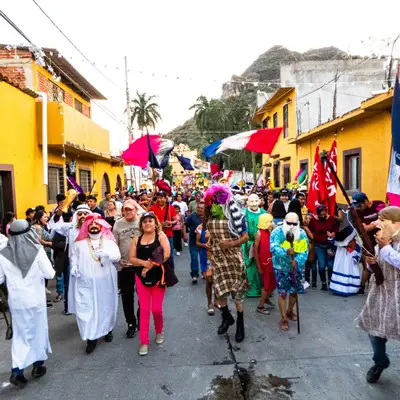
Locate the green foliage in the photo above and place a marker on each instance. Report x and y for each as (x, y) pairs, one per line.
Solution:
(167, 171)
(144, 111)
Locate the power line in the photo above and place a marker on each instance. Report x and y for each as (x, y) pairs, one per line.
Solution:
(104, 108)
(73, 44)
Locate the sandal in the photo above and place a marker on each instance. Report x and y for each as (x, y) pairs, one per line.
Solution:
(291, 315)
(283, 324)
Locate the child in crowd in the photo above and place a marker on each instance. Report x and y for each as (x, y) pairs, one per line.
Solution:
(202, 237)
(177, 230)
(263, 256)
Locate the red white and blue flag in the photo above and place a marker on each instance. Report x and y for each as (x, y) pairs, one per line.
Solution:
(393, 186)
(258, 141)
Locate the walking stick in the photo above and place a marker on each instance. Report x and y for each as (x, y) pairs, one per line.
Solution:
(290, 239)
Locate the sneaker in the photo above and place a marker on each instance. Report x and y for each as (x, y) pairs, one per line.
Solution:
(49, 303)
(38, 372)
(48, 291)
(194, 281)
(178, 253)
(109, 337)
(374, 373)
(131, 332)
(361, 291)
(324, 287)
(90, 346)
(270, 304)
(210, 310)
(58, 298)
(160, 337)
(143, 350)
(67, 312)
(314, 285)
(18, 380)
(262, 310)
(186, 245)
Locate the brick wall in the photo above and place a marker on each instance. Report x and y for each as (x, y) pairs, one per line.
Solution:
(86, 111)
(4, 53)
(42, 83)
(68, 99)
(15, 75)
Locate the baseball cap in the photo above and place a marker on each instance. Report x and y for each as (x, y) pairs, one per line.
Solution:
(284, 191)
(161, 193)
(358, 199)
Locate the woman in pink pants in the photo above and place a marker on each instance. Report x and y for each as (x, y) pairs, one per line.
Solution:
(145, 254)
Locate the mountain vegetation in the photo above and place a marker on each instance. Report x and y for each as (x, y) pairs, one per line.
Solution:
(219, 118)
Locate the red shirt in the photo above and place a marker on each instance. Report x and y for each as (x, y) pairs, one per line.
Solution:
(161, 215)
(320, 227)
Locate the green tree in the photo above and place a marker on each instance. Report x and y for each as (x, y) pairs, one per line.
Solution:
(144, 111)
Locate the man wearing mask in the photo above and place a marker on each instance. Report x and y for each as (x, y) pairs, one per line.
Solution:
(25, 266)
(381, 314)
(166, 215)
(96, 288)
(125, 229)
(288, 260)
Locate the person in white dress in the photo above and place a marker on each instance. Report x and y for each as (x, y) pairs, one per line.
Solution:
(95, 290)
(24, 266)
(346, 279)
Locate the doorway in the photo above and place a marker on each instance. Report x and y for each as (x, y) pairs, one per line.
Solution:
(7, 200)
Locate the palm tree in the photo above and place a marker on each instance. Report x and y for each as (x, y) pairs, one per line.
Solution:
(144, 111)
(200, 114)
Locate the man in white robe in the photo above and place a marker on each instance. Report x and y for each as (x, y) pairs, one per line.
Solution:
(70, 230)
(24, 266)
(95, 289)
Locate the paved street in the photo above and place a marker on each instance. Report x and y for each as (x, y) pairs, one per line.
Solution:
(327, 361)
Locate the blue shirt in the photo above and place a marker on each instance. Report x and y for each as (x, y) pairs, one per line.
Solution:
(192, 222)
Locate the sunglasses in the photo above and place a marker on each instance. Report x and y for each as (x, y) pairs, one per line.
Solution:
(292, 223)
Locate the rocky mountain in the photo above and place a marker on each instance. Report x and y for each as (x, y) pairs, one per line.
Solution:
(265, 68)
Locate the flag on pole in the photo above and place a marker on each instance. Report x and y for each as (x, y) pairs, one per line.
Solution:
(185, 163)
(317, 192)
(258, 141)
(393, 186)
(330, 180)
(148, 149)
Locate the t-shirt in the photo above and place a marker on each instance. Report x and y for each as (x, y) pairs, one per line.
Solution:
(124, 232)
(192, 222)
(160, 214)
(319, 228)
(182, 205)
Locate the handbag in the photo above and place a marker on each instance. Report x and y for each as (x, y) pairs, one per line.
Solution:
(170, 277)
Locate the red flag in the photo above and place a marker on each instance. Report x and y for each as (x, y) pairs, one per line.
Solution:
(317, 192)
(330, 180)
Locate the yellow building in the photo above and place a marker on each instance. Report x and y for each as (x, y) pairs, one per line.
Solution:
(76, 146)
(280, 111)
(363, 145)
(178, 173)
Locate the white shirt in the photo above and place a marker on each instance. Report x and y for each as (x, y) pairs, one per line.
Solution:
(182, 205)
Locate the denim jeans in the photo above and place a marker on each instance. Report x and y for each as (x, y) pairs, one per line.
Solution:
(171, 245)
(17, 371)
(311, 266)
(194, 260)
(60, 284)
(380, 357)
(324, 261)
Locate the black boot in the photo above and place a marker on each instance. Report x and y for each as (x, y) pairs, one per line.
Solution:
(324, 287)
(18, 380)
(374, 373)
(109, 337)
(227, 320)
(91, 345)
(239, 327)
(131, 332)
(38, 372)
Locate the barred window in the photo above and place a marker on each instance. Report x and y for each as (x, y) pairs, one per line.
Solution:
(85, 179)
(55, 184)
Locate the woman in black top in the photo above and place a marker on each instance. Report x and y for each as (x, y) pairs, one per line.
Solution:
(147, 253)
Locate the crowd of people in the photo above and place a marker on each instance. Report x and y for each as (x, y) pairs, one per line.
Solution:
(242, 245)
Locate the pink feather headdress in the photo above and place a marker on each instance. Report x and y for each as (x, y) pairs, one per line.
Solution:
(218, 193)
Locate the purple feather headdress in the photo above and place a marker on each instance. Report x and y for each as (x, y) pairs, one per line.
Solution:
(218, 193)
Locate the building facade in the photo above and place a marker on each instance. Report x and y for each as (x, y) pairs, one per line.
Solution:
(36, 155)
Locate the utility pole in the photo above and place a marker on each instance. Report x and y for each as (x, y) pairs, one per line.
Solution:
(319, 110)
(389, 80)
(129, 124)
(335, 96)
